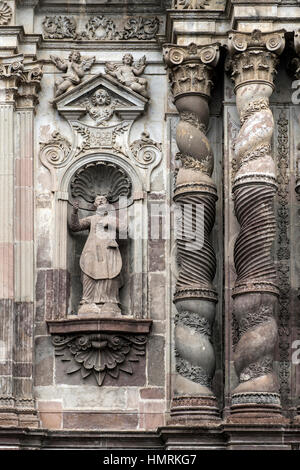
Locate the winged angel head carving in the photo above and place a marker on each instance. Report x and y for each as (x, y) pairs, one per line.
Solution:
(74, 68)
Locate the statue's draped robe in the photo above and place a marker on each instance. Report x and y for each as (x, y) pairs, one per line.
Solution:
(100, 261)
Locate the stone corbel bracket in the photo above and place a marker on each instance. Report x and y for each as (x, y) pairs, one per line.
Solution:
(101, 347)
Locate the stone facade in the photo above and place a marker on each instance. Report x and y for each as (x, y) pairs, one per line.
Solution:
(180, 329)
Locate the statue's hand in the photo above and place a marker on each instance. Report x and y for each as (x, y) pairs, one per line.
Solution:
(75, 207)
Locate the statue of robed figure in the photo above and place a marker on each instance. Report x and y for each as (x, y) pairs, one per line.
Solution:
(100, 261)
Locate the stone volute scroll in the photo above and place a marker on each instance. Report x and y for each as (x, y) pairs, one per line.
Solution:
(191, 70)
(252, 63)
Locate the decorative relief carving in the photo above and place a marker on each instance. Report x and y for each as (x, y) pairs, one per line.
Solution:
(22, 80)
(190, 4)
(194, 373)
(191, 68)
(101, 107)
(59, 27)
(190, 73)
(100, 354)
(54, 153)
(194, 320)
(74, 68)
(102, 28)
(104, 138)
(128, 73)
(100, 178)
(256, 398)
(283, 254)
(5, 13)
(255, 292)
(146, 151)
(256, 369)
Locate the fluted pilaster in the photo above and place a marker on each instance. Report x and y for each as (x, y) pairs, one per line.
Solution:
(190, 74)
(19, 85)
(252, 62)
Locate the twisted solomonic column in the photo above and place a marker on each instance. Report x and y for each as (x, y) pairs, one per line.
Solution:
(252, 61)
(190, 73)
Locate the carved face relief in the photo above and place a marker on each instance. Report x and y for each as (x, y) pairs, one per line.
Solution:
(127, 59)
(75, 57)
(100, 98)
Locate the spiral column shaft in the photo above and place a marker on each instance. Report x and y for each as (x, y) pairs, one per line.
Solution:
(253, 62)
(190, 73)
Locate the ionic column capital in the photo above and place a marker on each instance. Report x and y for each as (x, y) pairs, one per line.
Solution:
(191, 68)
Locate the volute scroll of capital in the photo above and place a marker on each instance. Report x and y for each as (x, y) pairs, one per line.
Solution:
(176, 55)
(240, 42)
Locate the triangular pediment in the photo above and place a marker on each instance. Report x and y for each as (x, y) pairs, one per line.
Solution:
(127, 103)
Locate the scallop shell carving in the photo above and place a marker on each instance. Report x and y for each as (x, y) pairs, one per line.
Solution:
(100, 178)
(5, 13)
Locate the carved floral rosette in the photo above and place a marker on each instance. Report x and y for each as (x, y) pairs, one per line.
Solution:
(190, 72)
(252, 64)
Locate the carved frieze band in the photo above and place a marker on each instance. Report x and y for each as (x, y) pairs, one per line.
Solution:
(252, 64)
(102, 28)
(190, 70)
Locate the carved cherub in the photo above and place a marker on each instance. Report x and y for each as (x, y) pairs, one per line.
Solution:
(128, 73)
(75, 68)
(101, 107)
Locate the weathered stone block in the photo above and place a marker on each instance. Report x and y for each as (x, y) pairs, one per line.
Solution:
(156, 355)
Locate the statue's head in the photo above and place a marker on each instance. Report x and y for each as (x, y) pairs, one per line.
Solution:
(100, 98)
(75, 56)
(127, 59)
(100, 200)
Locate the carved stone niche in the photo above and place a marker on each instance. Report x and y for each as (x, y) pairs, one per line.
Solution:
(101, 159)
